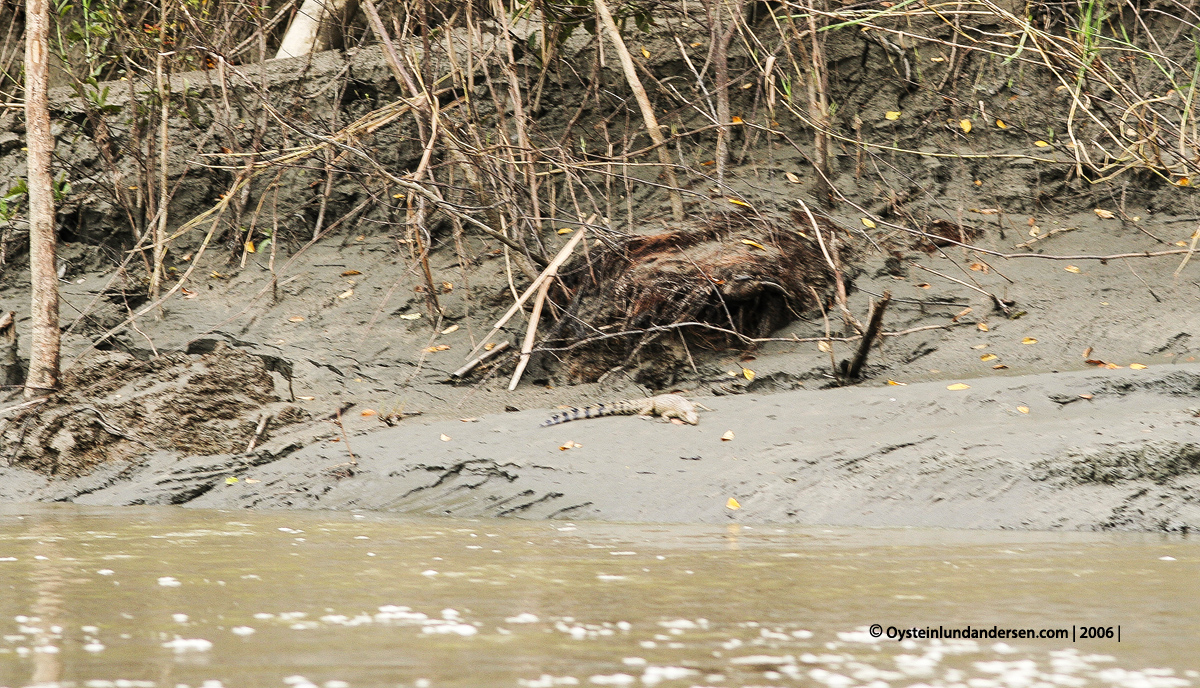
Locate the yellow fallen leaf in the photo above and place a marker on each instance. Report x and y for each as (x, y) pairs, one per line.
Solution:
(346, 294)
(296, 318)
(1000, 123)
(732, 504)
(748, 374)
(983, 327)
(1072, 268)
(569, 445)
(1183, 181)
(1029, 340)
(1023, 409)
(824, 347)
(1181, 243)
(452, 328)
(489, 346)
(231, 480)
(742, 203)
(351, 273)
(249, 247)
(435, 349)
(999, 366)
(965, 125)
(645, 53)
(892, 114)
(447, 287)
(755, 244)
(1103, 214)
(410, 316)
(958, 387)
(1040, 144)
(897, 384)
(727, 436)
(1137, 366)
(367, 413)
(792, 178)
(1034, 230)
(735, 119)
(1112, 366)
(565, 230)
(988, 357)
(979, 267)
(868, 223)
(444, 437)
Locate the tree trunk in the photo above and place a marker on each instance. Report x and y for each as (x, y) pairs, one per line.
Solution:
(44, 339)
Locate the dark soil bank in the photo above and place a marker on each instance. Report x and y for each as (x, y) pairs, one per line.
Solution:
(1082, 450)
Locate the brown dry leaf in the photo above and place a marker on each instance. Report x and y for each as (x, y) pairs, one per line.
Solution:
(986, 211)
(569, 445)
(965, 125)
(982, 327)
(306, 398)
(410, 316)
(965, 311)
(824, 347)
(452, 328)
(444, 437)
(999, 366)
(755, 244)
(979, 267)
(1103, 214)
(1029, 340)
(923, 285)
(748, 374)
(1023, 409)
(346, 294)
(868, 223)
(958, 387)
(351, 273)
(367, 413)
(980, 346)
(892, 114)
(732, 504)
(1087, 352)
(1085, 396)
(187, 293)
(1183, 181)
(469, 420)
(1095, 362)
(1072, 268)
(447, 287)
(1113, 366)
(489, 346)
(792, 178)
(296, 318)
(727, 436)
(988, 357)
(1137, 366)
(897, 384)
(435, 349)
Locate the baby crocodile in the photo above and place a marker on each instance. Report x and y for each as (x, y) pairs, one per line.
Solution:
(665, 405)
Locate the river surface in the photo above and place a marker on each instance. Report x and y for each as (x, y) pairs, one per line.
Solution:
(165, 597)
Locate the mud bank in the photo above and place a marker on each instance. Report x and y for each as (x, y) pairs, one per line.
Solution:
(1111, 449)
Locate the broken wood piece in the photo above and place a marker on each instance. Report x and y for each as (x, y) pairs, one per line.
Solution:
(530, 333)
(550, 271)
(262, 426)
(869, 337)
(485, 356)
(10, 364)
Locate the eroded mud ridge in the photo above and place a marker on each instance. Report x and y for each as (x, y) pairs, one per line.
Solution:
(115, 407)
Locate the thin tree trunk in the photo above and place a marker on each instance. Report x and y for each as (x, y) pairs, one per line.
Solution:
(635, 84)
(45, 335)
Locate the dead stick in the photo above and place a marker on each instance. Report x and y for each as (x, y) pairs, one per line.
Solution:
(487, 355)
(530, 333)
(550, 270)
(864, 346)
(262, 425)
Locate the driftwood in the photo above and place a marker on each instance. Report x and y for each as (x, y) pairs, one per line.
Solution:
(864, 346)
(485, 356)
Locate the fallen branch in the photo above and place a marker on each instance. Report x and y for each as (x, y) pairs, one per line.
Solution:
(485, 356)
(864, 347)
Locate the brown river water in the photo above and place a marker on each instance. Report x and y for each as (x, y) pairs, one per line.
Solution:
(166, 597)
